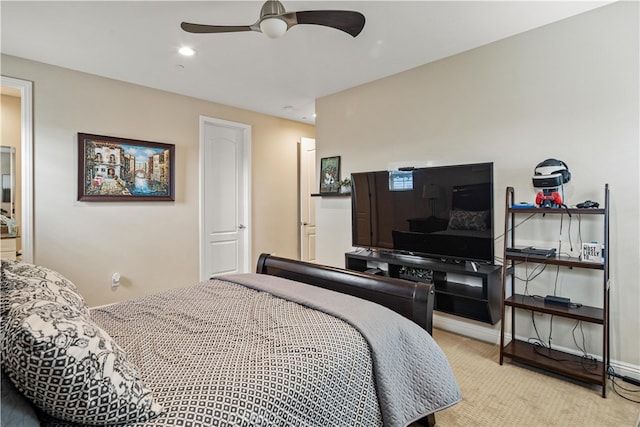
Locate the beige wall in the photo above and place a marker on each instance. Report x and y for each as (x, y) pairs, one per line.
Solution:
(568, 91)
(154, 246)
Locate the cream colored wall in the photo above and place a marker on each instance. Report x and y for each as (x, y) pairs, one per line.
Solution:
(568, 91)
(154, 246)
(10, 124)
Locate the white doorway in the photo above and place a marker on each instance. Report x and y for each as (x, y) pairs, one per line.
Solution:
(225, 169)
(24, 89)
(307, 203)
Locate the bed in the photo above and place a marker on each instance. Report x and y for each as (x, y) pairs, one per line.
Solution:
(276, 348)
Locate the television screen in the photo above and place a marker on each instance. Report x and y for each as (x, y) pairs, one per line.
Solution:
(443, 212)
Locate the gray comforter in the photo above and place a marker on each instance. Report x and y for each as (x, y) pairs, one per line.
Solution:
(413, 375)
(257, 350)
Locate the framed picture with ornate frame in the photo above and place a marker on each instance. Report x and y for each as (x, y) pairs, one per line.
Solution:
(330, 175)
(117, 169)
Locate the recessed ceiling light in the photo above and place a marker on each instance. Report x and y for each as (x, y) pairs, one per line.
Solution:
(186, 51)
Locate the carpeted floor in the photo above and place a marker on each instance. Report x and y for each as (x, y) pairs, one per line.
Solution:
(513, 395)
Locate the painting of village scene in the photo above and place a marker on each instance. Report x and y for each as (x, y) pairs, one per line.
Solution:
(116, 169)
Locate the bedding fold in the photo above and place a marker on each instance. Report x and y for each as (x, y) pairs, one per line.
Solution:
(412, 373)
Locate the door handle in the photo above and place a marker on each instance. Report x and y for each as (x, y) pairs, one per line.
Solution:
(305, 223)
(241, 227)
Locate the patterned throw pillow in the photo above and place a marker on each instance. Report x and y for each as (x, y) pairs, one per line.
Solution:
(21, 282)
(71, 369)
(468, 220)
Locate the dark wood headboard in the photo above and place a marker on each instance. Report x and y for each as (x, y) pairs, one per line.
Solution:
(413, 300)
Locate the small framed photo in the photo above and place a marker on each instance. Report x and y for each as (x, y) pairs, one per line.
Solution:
(117, 169)
(330, 175)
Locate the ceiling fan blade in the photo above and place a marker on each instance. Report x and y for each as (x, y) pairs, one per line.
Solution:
(200, 29)
(343, 20)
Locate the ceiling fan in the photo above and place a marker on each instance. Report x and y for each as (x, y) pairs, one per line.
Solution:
(275, 21)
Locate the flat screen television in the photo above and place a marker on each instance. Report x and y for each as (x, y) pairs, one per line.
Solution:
(443, 212)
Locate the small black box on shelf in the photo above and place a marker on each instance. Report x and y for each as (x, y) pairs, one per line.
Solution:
(552, 299)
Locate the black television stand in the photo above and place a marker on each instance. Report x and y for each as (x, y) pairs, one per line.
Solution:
(471, 290)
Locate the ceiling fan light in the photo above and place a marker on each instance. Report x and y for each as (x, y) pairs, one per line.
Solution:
(273, 27)
(186, 51)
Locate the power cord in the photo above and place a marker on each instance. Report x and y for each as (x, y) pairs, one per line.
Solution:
(587, 363)
(568, 232)
(515, 226)
(619, 389)
(580, 231)
(585, 355)
(529, 277)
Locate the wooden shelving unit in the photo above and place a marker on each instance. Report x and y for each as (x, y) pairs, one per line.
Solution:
(553, 360)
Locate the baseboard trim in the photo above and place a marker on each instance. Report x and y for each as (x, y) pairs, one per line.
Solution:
(491, 334)
(468, 328)
(626, 369)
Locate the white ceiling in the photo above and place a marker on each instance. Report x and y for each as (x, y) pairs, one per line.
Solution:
(137, 42)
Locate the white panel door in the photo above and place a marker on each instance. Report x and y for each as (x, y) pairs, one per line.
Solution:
(224, 197)
(307, 203)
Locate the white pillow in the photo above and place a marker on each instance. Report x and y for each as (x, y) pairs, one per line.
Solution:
(71, 368)
(21, 282)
